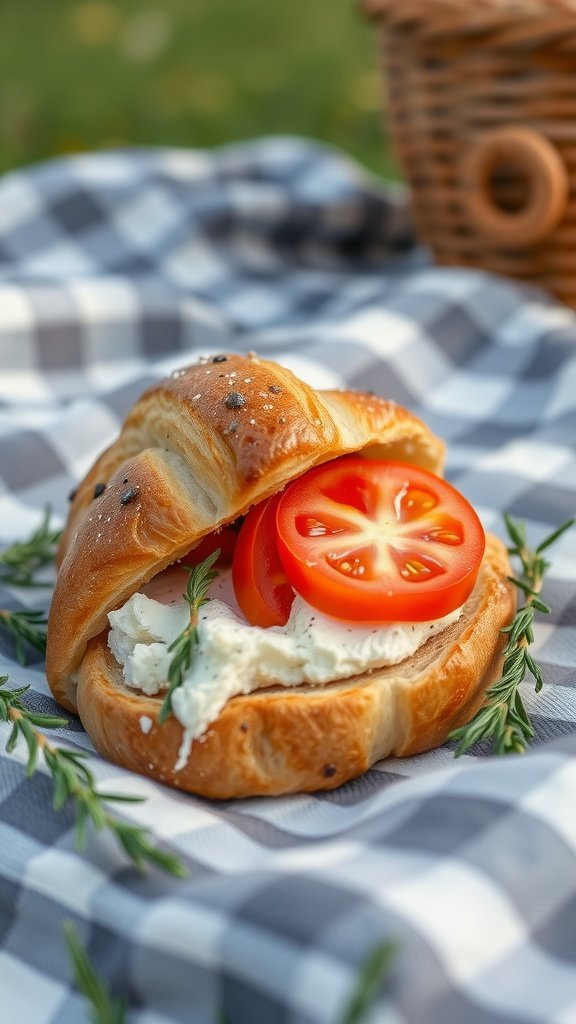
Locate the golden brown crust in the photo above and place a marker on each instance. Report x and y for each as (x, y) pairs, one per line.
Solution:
(310, 738)
(195, 452)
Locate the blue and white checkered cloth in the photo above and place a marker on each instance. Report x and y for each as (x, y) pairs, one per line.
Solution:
(115, 269)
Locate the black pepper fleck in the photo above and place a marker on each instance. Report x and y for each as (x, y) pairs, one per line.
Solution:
(235, 400)
(127, 496)
(72, 494)
(275, 389)
(329, 770)
(220, 359)
(125, 480)
(244, 727)
(99, 489)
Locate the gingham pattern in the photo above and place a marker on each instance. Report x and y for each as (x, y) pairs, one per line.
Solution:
(119, 267)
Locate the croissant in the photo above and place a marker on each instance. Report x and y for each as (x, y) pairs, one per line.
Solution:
(195, 453)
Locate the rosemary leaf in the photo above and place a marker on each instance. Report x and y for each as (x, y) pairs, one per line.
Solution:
(103, 1008)
(80, 826)
(535, 671)
(503, 720)
(199, 579)
(46, 721)
(516, 531)
(12, 740)
(73, 782)
(21, 561)
(553, 537)
(118, 798)
(372, 974)
(522, 585)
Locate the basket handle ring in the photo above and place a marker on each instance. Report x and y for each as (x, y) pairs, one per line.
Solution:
(545, 186)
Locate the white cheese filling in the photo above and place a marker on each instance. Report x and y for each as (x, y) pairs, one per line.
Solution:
(233, 657)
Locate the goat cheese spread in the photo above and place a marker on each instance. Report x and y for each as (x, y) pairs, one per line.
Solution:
(233, 657)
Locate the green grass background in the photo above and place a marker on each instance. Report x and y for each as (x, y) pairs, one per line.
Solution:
(195, 73)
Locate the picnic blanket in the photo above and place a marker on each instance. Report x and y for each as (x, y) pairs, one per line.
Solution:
(118, 267)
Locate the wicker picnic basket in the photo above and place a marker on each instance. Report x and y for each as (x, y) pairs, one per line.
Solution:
(482, 105)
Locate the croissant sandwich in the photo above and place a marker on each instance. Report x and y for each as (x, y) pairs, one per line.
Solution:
(263, 588)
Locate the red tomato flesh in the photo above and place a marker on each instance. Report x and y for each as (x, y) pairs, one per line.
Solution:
(224, 539)
(261, 586)
(374, 541)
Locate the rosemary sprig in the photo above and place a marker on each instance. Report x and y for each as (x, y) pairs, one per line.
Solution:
(18, 565)
(199, 580)
(21, 561)
(26, 627)
(370, 979)
(103, 1008)
(73, 781)
(503, 719)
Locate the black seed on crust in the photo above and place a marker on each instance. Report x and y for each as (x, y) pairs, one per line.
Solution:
(244, 727)
(220, 359)
(275, 389)
(233, 427)
(99, 489)
(235, 400)
(329, 770)
(127, 496)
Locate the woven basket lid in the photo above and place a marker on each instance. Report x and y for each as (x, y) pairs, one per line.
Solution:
(466, 9)
(437, 17)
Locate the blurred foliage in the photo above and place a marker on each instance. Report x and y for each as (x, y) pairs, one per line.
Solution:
(96, 74)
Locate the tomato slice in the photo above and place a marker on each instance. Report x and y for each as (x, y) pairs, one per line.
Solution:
(225, 539)
(260, 583)
(376, 541)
